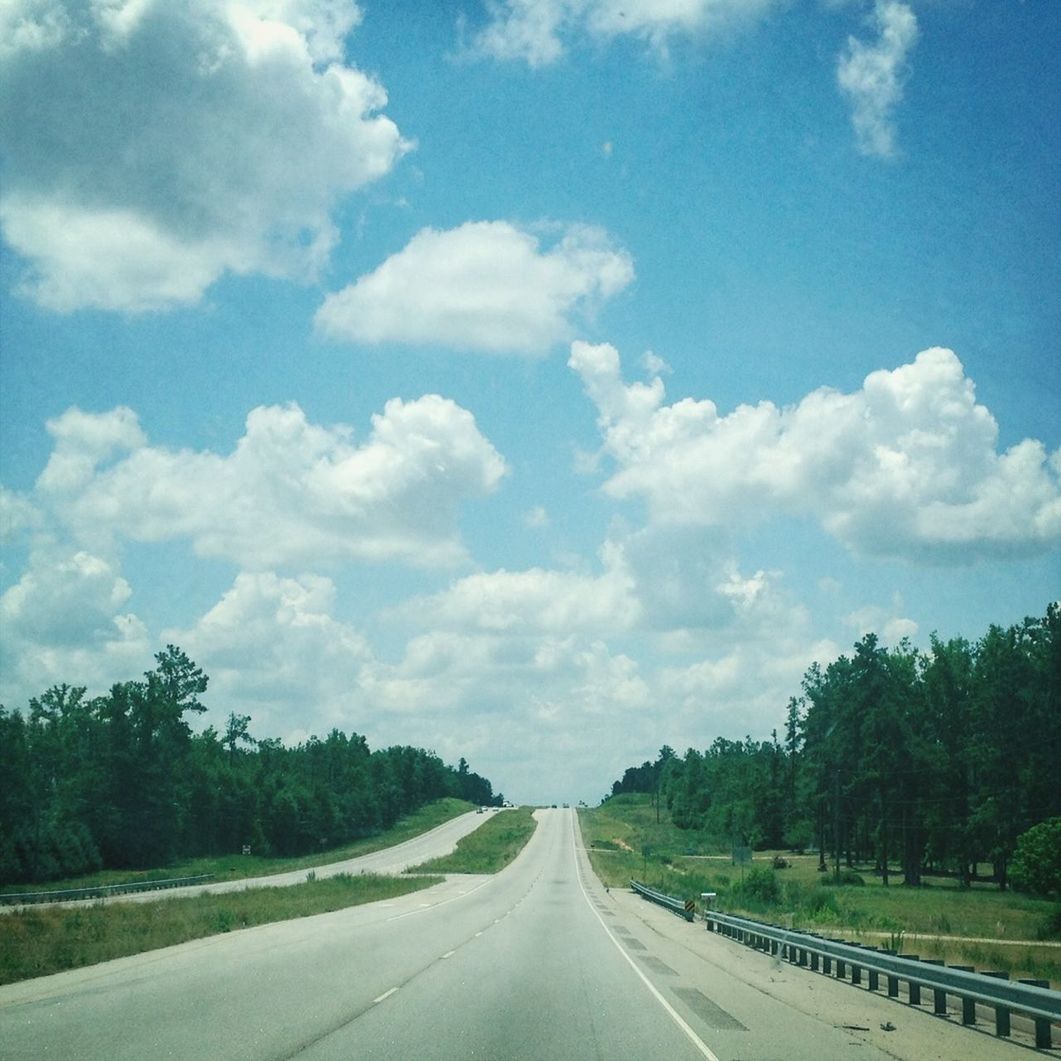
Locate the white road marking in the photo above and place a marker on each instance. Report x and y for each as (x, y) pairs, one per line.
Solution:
(671, 1011)
(449, 954)
(431, 906)
(386, 994)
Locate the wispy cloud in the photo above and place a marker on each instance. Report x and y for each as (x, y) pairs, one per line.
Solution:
(539, 32)
(872, 76)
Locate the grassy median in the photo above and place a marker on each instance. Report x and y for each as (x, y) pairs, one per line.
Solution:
(39, 940)
(490, 848)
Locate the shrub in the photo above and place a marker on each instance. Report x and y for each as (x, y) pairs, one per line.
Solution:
(761, 885)
(1036, 866)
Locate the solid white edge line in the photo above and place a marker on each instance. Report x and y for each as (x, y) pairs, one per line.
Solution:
(671, 1011)
(386, 994)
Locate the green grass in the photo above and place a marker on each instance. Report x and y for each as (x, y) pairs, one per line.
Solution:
(490, 848)
(37, 941)
(238, 867)
(682, 864)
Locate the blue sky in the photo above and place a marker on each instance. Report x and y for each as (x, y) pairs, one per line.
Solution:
(538, 381)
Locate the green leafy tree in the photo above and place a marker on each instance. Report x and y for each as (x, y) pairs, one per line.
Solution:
(1036, 864)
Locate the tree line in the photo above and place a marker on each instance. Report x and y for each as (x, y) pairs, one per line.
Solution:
(931, 761)
(121, 780)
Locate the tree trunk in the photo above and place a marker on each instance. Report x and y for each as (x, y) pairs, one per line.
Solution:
(883, 840)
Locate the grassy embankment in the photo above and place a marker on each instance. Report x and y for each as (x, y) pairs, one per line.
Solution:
(490, 848)
(40, 940)
(681, 864)
(238, 867)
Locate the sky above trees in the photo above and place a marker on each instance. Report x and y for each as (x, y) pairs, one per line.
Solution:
(538, 381)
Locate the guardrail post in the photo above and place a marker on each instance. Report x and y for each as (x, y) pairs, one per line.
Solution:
(1002, 1013)
(856, 970)
(841, 970)
(893, 981)
(913, 987)
(968, 1004)
(939, 996)
(827, 965)
(1042, 1026)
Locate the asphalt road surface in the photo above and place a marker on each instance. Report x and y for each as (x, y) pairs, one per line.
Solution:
(538, 962)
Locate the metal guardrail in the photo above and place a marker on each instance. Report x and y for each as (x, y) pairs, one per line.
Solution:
(1031, 998)
(101, 891)
(685, 907)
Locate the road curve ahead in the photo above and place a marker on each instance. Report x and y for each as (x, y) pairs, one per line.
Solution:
(536, 963)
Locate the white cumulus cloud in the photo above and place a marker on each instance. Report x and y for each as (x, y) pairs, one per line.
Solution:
(291, 492)
(274, 650)
(872, 76)
(151, 147)
(906, 466)
(64, 621)
(535, 601)
(486, 285)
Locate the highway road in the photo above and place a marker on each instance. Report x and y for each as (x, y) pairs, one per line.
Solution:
(539, 962)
